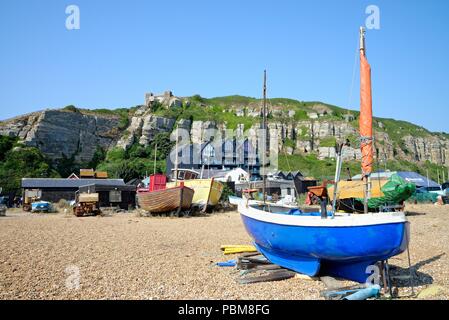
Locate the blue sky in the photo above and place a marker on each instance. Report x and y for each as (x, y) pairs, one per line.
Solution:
(214, 48)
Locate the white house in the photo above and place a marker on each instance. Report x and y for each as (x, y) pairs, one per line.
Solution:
(234, 175)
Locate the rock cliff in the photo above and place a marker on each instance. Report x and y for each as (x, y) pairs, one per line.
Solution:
(62, 133)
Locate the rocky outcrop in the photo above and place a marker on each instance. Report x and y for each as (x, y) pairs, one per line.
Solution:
(59, 133)
(347, 153)
(431, 148)
(153, 125)
(133, 131)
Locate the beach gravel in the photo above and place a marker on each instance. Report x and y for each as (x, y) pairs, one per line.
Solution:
(123, 256)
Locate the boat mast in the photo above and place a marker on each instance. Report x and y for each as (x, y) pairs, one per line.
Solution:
(264, 127)
(366, 120)
(155, 158)
(176, 161)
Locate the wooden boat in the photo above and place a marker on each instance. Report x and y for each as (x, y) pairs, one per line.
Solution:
(176, 200)
(157, 198)
(207, 191)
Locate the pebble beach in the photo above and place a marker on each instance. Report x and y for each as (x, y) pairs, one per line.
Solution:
(125, 256)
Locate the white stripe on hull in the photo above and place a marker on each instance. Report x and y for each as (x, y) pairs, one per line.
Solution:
(352, 220)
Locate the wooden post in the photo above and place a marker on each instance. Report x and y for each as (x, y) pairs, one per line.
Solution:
(176, 161)
(155, 157)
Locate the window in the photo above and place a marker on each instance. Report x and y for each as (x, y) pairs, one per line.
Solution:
(115, 196)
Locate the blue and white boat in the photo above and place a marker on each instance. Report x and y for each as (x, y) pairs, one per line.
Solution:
(234, 200)
(41, 206)
(330, 243)
(342, 246)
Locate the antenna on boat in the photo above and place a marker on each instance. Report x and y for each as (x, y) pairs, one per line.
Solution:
(264, 176)
(362, 39)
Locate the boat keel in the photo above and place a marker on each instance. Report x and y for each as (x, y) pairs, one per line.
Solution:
(299, 264)
(358, 272)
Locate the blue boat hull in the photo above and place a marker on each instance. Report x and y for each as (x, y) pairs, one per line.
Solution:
(40, 207)
(344, 252)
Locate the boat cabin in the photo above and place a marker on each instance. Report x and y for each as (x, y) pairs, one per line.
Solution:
(185, 174)
(157, 182)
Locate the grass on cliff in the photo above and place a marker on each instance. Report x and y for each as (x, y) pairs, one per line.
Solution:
(310, 165)
(198, 112)
(123, 114)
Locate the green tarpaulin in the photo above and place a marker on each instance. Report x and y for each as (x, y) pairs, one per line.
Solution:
(395, 191)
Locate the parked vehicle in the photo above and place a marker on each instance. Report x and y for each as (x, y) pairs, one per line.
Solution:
(3, 209)
(86, 204)
(31, 196)
(4, 200)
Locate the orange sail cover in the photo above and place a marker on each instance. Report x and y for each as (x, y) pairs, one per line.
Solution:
(366, 115)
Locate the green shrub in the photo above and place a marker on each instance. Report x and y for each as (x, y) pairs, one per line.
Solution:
(71, 108)
(6, 144)
(116, 154)
(24, 162)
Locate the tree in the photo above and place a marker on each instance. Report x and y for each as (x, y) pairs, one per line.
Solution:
(98, 157)
(164, 145)
(24, 163)
(124, 171)
(6, 144)
(137, 151)
(66, 166)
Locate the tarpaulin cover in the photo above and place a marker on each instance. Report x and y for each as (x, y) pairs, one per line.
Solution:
(395, 191)
(356, 189)
(424, 197)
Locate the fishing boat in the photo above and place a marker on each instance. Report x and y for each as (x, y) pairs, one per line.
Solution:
(234, 200)
(328, 242)
(207, 191)
(41, 206)
(156, 198)
(249, 197)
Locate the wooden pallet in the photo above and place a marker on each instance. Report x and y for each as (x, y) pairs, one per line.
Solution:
(256, 268)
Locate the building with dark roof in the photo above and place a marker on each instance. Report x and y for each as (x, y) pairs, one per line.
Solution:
(301, 183)
(53, 190)
(122, 196)
(212, 157)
